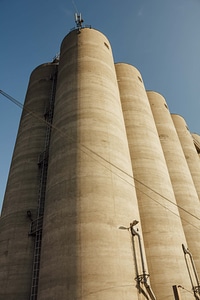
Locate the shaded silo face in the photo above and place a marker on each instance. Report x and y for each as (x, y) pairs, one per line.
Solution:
(90, 191)
(158, 212)
(183, 186)
(189, 149)
(21, 196)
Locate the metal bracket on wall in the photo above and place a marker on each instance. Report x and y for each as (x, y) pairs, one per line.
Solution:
(141, 279)
(36, 225)
(192, 272)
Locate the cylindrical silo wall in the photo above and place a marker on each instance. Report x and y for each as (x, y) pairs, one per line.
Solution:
(196, 140)
(189, 149)
(16, 247)
(183, 186)
(158, 212)
(90, 191)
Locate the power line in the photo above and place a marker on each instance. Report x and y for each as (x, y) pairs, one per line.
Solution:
(177, 215)
(75, 7)
(86, 149)
(167, 199)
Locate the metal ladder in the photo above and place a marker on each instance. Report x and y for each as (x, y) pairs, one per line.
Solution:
(37, 224)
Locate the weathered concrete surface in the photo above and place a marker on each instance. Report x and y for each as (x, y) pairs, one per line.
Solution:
(189, 149)
(16, 247)
(183, 186)
(159, 216)
(90, 190)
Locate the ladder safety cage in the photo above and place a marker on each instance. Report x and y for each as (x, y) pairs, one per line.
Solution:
(37, 225)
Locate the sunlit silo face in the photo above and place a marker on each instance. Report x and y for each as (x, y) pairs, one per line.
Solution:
(153, 186)
(189, 149)
(88, 198)
(182, 182)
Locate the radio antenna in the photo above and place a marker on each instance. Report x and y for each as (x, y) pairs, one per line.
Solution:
(77, 16)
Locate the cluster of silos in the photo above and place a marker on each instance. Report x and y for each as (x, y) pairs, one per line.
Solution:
(178, 148)
(115, 155)
(156, 200)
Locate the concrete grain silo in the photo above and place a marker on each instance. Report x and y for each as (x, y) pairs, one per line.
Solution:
(189, 149)
(90, 191)
(183, 186)
(157, 204)
(90, 208)
(22, 193)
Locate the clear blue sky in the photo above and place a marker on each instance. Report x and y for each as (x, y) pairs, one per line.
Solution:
(160, 38)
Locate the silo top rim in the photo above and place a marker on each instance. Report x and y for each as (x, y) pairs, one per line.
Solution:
(45, 64)
(178, 116)
(125, 63)
(86, 26)
(84, 29)
(155, 92)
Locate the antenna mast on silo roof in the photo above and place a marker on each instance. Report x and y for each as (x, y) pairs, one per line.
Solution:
(78, 18)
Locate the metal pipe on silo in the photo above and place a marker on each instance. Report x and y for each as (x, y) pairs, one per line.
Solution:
(189, 149)
(21, 197)
(90, 190)
(183, 186)
(159, 217)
